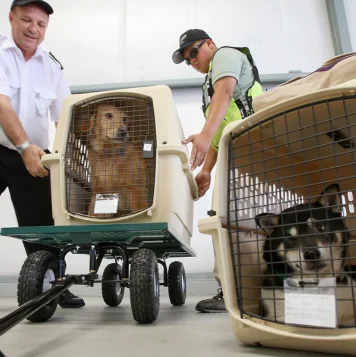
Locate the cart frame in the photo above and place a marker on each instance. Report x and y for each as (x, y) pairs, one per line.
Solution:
(109, 241)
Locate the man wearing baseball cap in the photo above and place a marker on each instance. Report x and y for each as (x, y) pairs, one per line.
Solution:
(32, 90)
(231, 83)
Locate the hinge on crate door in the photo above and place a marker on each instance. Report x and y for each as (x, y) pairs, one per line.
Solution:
(211, 213)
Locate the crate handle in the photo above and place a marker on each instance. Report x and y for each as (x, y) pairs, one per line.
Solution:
(48, 159)
(183, 154)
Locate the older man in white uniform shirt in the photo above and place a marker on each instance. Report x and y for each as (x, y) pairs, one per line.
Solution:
(32, 90)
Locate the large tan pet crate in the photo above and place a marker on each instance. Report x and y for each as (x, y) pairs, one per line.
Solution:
(118, 157)
(283, 223)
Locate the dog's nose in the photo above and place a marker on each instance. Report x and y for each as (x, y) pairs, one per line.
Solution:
(121, 134)
(312, 254)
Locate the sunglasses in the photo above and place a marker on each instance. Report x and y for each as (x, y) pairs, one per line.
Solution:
(193, 53)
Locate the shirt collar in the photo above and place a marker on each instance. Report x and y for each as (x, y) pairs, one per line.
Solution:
(10, 43)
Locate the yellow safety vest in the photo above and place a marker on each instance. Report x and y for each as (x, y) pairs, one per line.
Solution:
(236, 109)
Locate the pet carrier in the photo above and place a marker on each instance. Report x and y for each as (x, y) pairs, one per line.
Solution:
(283, 223)
(333, 72)
(118, 157)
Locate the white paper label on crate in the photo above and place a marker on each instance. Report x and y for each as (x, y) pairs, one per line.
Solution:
(310, 304)
(147, 147)
(106, 203)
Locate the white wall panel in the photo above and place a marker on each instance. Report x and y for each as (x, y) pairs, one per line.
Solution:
(279, 32)
(150, 41)
(350, 9)
(88, 37)
(111, 41)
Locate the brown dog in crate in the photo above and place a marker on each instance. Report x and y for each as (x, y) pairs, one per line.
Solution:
(117, 166)
(309, 240)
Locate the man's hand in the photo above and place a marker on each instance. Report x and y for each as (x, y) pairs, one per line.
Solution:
(203, 182)
(32, 160)
(201, 144)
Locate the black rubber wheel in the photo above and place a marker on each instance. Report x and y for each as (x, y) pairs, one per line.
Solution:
(177, 284)
(38, 270)
(113, 293)
(144, 286)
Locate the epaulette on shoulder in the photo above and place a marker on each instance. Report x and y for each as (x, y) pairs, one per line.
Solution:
(50, 54)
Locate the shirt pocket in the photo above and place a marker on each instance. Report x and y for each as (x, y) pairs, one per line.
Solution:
(44, 98)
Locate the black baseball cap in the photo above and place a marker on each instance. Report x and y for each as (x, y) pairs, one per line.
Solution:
(185, 40)
(47, 7)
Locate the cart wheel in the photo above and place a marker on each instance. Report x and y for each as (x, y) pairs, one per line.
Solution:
(113, 293)
(38, 270)
(177, 284)
(144, 286)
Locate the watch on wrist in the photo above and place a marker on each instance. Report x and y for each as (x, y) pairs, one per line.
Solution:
(21, 148)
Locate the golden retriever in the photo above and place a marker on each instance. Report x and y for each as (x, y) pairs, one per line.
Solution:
(117, 166)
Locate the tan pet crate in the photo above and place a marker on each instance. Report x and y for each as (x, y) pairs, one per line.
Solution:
(283, 156)
(118, 157)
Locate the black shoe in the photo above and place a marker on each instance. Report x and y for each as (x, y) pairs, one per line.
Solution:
(69, 300)
(215, 304)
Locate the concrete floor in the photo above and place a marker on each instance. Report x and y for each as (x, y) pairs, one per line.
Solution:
(99, 330)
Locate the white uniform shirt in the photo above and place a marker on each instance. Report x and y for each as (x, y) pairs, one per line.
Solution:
(36, 88)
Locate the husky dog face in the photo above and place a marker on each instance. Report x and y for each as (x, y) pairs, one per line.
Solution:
(307, 239)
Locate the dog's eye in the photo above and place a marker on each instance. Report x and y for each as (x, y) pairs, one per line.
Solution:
(108, 115)
(320, 228)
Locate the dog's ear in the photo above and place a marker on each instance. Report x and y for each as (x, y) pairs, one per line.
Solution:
(91, 122)
(331, 198)
(84, 123)
(123, 104)
(267, 221)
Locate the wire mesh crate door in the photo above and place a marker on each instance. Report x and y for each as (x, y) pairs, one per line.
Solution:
(291, 218)
(110, 157)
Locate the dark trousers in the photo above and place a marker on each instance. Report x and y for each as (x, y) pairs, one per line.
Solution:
(31, 196)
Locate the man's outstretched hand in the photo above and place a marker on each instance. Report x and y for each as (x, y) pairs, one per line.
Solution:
(201, 143)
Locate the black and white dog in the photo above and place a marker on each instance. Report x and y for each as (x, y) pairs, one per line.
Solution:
(308, 240)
